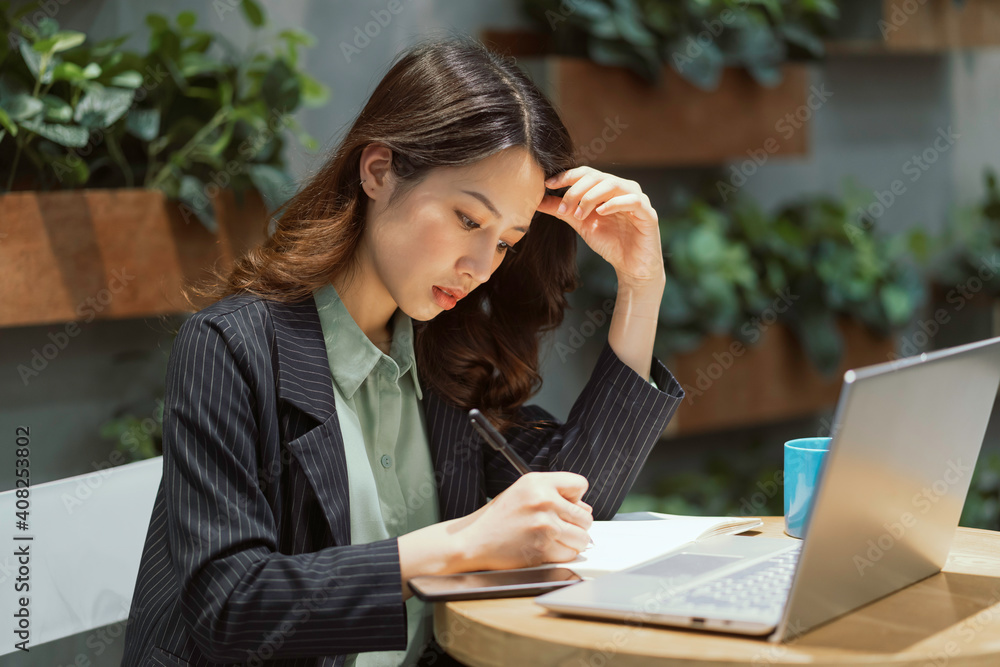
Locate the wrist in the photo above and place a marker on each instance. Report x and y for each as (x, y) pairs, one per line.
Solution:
(440, 548)
(642, 290)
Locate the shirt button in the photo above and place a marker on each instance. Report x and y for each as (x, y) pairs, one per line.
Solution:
(386, 460)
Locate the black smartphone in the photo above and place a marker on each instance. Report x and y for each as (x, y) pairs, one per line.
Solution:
(491, 584)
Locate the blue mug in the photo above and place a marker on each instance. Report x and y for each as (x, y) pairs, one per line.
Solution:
(803, 458)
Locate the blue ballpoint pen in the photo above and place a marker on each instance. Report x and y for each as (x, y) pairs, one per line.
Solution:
(499, 443)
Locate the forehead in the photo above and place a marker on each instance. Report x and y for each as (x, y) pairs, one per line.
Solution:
(511, 180)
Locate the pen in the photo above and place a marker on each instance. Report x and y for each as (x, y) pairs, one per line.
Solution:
(499, 443)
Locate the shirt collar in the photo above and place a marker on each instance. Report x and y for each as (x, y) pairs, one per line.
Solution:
(356, 355)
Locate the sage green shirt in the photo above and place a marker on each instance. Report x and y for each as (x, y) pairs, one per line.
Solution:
(389, 467)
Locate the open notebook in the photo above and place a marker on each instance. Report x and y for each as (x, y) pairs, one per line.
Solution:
(635, 537)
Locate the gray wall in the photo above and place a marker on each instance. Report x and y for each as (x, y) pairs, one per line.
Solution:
(882, 111)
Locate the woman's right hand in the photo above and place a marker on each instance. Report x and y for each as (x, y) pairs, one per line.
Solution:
(540, 518)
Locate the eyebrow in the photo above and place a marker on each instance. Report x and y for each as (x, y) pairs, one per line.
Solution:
(493, 209)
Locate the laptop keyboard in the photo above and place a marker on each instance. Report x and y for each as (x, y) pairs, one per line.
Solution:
(759, 587)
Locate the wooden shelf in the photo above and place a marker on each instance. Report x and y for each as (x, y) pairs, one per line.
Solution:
(901, 27)
(617, 118)
(767, 382)
(89, 254)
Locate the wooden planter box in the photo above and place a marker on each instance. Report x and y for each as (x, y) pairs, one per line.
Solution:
(770, 381)
(87, 254)
(616, 118)
(916, 26)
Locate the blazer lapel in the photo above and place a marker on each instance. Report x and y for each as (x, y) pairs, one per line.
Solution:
(304, 380)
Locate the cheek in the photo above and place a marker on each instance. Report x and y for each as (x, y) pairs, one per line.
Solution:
(418, 250)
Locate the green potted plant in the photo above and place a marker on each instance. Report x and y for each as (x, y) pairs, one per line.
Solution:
(121, 150)
(671, 74)
(697, 38)
(797, 294)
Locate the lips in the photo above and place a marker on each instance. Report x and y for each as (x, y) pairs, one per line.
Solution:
(455, 292)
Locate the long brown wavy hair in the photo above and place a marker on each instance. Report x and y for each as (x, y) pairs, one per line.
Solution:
(449, 103)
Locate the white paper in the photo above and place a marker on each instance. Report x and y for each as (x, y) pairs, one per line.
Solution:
(635, 537)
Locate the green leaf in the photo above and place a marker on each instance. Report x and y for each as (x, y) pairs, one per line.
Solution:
(280, 89)
(897, 304)
(102, 106)
(91, 71)
(192, 193)
(143, 123)
(194, 63)
(314, 93)
(274, 185)
(33, 59)
(7, 122)
(127, 79)
(821, 340)
(61, 41)
(296, 36)
(187, 19)
(22, 106)
(57, 109)
(71, 172)
(157, 22)
(800, 35)
(67, 72)
(701, 64)
(107, 46)
(253, 12)
(71, 136)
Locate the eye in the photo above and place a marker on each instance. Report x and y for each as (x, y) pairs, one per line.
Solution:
(469, 225)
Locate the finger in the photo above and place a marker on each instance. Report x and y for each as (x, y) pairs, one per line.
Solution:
(572, 537)
(570, 485)
(632, 203)
(573, 513)
(567, 177)
(601, 192)
(571, 198)
(550, 203)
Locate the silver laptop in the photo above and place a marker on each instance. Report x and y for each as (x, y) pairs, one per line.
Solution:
(906, 437)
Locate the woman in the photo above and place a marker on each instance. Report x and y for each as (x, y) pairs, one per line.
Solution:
(317, 448)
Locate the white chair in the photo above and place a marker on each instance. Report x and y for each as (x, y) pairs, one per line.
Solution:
(88, 532)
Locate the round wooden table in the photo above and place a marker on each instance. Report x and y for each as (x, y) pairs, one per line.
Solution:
(950, 619)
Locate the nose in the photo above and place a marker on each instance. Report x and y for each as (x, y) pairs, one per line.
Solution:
(480, 260)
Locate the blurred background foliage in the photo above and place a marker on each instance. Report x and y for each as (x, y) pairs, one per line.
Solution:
(727, 260)
(190, 112)
(642, 35)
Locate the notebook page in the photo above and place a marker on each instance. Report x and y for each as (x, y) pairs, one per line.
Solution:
(626, 541)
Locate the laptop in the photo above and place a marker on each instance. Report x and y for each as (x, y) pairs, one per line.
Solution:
(905, 439)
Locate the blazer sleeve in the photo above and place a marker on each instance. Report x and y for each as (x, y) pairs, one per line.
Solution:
(239, 596)
(610, 431)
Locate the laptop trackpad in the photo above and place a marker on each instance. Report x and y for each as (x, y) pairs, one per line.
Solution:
(684, 566)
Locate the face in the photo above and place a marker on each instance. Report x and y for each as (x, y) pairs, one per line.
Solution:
(452, 230)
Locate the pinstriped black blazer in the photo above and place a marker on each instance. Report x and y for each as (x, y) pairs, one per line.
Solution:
(248, 556)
